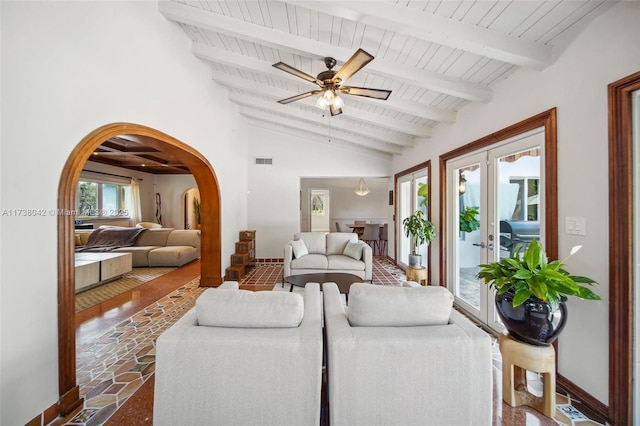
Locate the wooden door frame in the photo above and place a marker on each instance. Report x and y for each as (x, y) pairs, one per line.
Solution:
(546, 119)
(211, 267)
(397, 223)
(621, 256)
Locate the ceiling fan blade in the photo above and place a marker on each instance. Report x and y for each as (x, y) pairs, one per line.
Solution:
(291, 70)
(366, 92)
(353, 65)
(334, 110)
(298, 97)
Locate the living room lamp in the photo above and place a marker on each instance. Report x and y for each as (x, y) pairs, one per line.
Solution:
(362, 189)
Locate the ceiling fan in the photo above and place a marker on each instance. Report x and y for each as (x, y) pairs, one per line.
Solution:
(330, 82)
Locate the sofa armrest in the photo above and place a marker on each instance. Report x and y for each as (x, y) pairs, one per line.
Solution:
(230, 285)
(288, 257)
(367, 257)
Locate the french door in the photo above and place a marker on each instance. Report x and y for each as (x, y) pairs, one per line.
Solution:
(412, 196)
(499, 187)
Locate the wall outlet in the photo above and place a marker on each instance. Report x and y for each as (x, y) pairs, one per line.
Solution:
(575, 225)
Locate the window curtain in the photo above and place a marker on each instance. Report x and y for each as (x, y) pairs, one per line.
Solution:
(136, 210)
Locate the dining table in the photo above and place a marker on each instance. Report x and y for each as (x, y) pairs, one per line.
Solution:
(358, 228)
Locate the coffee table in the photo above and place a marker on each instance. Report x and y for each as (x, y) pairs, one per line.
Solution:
(342, 280)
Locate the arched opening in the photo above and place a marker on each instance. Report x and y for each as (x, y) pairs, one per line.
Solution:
(211, 267)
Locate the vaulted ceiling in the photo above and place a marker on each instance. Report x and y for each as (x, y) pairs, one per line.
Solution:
(435, 56)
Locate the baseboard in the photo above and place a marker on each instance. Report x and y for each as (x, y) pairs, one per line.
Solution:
(583, 401)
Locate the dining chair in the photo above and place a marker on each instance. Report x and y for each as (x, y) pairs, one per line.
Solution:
(384, 239)
(371, 235)
(342, 228)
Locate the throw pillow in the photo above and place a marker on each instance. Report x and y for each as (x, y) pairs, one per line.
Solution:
(78, 240)
(249, 309)
(373, 305)
(299, 249)
(354, 250)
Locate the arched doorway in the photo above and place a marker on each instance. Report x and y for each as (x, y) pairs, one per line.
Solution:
(211, 267)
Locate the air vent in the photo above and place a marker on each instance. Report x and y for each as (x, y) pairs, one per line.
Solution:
(268, 161)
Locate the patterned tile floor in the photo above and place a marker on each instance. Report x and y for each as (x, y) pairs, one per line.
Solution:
(114, 366)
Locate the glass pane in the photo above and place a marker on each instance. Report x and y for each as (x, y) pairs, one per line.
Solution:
(518, 200)
(87, 199)
(109, 199)
(125, 201)
(404, 210)
(468, 247)
(421, 198)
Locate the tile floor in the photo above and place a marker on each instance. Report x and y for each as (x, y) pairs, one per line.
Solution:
(113, 366)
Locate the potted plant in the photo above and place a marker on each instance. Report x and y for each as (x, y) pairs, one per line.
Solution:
(468, 221)
(421, 231)
(531, 293)
(196, 210)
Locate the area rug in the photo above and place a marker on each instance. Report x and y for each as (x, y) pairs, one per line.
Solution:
(133, 279)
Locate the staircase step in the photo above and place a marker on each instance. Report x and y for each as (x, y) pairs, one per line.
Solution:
(234, 273)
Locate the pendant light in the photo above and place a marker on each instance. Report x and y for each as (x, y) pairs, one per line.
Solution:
(362, 189)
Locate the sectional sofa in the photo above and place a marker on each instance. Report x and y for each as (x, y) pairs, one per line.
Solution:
(157, 247)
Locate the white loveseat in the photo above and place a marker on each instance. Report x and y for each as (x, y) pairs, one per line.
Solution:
(242, 358)
(402, 356)
(313, 252)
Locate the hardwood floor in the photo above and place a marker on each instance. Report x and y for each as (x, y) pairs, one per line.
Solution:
(155, 305)
(94, 321)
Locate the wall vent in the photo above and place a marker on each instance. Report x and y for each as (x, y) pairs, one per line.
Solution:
(268, 161)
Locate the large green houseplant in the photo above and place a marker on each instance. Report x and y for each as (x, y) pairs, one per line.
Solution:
(421, 231)
(529, 286)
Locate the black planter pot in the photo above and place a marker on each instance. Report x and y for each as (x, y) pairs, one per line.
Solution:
(534, 321)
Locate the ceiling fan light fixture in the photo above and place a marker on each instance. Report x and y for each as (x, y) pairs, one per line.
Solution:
(362, 189)
(338, 102)
(322, 103)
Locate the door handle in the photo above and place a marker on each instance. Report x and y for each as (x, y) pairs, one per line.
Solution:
(483, 245)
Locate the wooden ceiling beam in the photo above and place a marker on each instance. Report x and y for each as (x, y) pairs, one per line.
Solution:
(318, 50)
(438, 29)
(221, 56)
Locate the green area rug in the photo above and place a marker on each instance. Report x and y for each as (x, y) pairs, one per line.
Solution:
(133, 279)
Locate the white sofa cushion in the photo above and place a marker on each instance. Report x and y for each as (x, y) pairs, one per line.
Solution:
(354, 250)
(337, 242)
(316, 242)
(386, 306)
(299, 249)
(310, 261)
(249, 309)
(342, 262)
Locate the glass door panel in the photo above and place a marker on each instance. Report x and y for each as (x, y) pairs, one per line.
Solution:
(502, 187)
(467, 197)
(412, 196)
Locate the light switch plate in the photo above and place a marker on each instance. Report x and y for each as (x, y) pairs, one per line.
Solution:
(576, 225)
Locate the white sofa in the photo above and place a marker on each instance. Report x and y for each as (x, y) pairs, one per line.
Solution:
(242, 358)
(402, 356)
(326, 253)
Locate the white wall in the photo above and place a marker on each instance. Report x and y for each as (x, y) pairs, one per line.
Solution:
(346, 205)
(274, 191)
(171, 189)
(66, 69)
(577, 85)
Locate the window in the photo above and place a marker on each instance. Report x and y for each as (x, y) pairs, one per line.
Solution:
(103, 199)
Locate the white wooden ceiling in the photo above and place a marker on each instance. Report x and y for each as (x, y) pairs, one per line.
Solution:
(436, 56)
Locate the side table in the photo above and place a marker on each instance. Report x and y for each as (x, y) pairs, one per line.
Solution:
(517, 358)
(417, 275)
